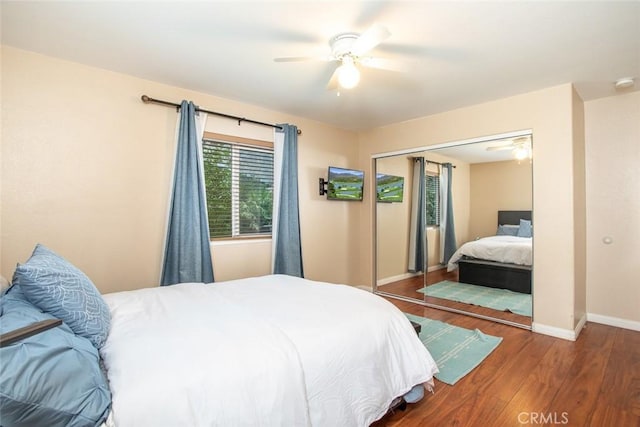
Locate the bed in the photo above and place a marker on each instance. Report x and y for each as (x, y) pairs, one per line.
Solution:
(501, 261)
(271, 350)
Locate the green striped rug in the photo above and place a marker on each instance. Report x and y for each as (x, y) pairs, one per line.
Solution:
(457, 351)
(498, 299)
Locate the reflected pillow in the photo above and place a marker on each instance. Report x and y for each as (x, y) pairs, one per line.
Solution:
(55, 286)
(507, 230)
(525, 228)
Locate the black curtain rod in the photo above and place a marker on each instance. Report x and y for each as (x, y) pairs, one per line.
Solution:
(437, 163)
(431, 161)
(146, 99)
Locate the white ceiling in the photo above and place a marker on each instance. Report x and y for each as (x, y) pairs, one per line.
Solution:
(456, 53)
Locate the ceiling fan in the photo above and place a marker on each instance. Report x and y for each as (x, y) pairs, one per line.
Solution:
(349, 49)
(521, 147)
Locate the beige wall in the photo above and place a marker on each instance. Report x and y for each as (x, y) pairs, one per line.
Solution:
(612, 127)
(495, 186)
(549, 114)
(86, 169)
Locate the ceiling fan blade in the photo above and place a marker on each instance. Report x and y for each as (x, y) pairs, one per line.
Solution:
(333, 81)
(303, 58)
(382, 64)
(501, 148)
(370, 39)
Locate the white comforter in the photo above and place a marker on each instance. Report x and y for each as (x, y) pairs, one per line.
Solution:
(275, 350)
(507, 249)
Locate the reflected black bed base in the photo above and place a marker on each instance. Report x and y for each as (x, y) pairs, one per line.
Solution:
(513, 277)
(493, 274)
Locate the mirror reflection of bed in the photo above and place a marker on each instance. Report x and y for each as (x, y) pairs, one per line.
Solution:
(491, 196)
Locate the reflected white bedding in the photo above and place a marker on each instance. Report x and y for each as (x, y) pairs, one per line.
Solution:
(273, 350)
(506, 249)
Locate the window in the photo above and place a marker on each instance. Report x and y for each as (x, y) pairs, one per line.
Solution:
(238, 176)
(433, 199)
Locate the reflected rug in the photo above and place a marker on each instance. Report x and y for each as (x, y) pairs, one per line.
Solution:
(498, 299)
(457, 351)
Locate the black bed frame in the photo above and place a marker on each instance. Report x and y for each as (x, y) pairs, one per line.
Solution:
(496, 274)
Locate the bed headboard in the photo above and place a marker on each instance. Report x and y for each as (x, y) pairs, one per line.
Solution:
(512, 217)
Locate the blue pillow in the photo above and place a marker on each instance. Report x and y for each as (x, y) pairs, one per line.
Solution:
(507, 230)
(525, 228)
(55, 286)
(52, 378)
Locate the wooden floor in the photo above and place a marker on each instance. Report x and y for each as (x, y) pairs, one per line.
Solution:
(409, 288)
(534, 379)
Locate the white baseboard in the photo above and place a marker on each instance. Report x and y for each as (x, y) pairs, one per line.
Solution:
(552, 331)
(613, 321)
(407, 275)
(580, 325)
(392, 279)
(565, 334)
(365, 288)
(436, 267)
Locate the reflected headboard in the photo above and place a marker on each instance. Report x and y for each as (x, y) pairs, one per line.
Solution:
(512, 217)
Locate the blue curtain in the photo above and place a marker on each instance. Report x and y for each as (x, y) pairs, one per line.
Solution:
(287, 247)
(449, 241)
(187, 256)
(417, 234)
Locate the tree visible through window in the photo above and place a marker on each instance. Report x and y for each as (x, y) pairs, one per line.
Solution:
(239, 188)
(433, 199)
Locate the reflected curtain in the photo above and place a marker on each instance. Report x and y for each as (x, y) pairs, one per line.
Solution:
(417, 233)
(286, 242)
(187, 255)
(447, 228)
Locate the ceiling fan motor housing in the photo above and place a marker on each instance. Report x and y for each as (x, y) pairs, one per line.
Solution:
(342, 44)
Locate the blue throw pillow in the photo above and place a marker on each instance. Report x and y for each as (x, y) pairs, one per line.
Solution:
(507, 230)
(525, 228)
(49, 379)
(55, 286)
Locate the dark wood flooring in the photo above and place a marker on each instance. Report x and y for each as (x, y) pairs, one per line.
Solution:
(409, 288)
(534, 379)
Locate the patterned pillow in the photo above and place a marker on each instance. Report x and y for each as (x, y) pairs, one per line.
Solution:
(49, 379)
(55, 286)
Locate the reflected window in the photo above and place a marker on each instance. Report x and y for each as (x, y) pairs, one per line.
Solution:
(433, 199)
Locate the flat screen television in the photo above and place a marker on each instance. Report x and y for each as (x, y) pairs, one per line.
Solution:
(389, 188)
(345, 184)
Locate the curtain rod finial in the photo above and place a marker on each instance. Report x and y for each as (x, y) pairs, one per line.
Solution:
(145, 99)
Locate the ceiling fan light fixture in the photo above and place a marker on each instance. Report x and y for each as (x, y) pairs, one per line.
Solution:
(348, 74)
(521, 152)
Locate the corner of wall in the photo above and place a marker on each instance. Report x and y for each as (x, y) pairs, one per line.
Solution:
(565, 334)
(579, 208)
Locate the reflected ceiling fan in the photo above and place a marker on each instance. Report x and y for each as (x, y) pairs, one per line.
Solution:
(349, 50)
(520, 146)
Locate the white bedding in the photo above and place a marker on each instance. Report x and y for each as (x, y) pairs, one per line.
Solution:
(506, 249)
(274, 350)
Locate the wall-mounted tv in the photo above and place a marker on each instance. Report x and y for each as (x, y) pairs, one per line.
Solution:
(389, 188)
(345, 184)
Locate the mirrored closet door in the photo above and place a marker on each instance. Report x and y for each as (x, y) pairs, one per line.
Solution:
(454, 227)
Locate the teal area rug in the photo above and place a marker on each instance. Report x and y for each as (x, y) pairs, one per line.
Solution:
(498, 299)
(457, 351)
